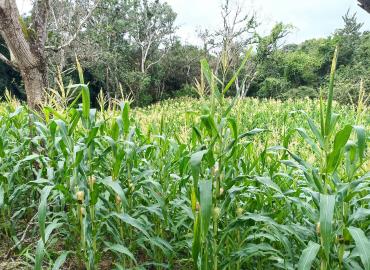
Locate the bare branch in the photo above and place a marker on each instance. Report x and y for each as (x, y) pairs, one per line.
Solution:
(80, 25)
(155, 62)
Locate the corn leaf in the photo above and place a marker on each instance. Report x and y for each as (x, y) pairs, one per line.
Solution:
(327, 203)
(308, 256)
(115, 186)
(363, 245)
(132, 221)
(42, 210)
(195, 162)
(60, 260)
(85, 102)
(205, 191)
(39, 255)
(120, 249)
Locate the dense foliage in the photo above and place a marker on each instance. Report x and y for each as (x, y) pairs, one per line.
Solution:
(218, 184)
(300, 70)
(130, 48)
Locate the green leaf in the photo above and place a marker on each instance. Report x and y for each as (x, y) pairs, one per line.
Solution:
(42, 210)
(39, 255)
(361, 140)
(209, 76)
(205, 193)
(60, 260)
(85, 101)
(251, 249)
(120, 249)
(209, 123)
(115, 186)
(359, 215)
(327, 203)
(54, 112)
(331, 93)
(131, 221)
(162, 244)
(236, 74)
(363, 245)
(80, 71)
(252, 132)
(315, 130)
(2, 152)
(340, 141)
(195, 161)
(322, 121)
(114, 131)
(2, 195)
(317, 180)
(50, 228)
(269, 183)
(308, 256)
(125, 117)
(92, 135)
(234, 127)
(196, 240)
(307, 138)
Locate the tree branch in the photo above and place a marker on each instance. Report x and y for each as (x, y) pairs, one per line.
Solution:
(82, 22)
(8, 62)
(155, 62)
(40, 17)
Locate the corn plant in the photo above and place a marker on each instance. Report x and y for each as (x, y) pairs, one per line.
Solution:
(209, 183)
(336, 180)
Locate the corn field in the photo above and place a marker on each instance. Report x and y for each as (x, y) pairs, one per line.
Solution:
(213, 183)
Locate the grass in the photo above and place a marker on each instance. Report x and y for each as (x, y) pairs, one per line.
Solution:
(213, 183)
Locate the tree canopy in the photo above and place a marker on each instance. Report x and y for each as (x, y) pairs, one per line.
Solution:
(131, 48)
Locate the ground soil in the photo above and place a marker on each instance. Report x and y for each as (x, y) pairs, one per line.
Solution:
(11, 262)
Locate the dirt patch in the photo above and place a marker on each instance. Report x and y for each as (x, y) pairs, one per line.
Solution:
(11, 263)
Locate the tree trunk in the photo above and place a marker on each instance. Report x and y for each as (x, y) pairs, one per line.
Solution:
(34, 84)
(27, 49)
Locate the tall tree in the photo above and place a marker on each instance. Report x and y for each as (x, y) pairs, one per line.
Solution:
(67, 21)
(26, 46)
(348, 37)
(26, 43)
(237, 32)
(132, 39)
(151, 26)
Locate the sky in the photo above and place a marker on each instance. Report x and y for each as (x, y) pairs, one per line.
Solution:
(310, 18)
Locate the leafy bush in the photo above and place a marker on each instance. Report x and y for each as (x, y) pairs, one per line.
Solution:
(301, 68)
(137, 85)
(273, 87)
(186, 91)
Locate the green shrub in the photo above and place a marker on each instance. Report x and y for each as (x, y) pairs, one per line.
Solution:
(137, 85)
(187, 90)
(273, 87)
(300, 67)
